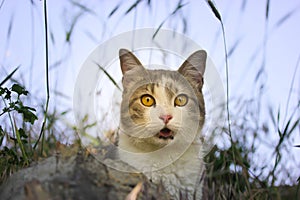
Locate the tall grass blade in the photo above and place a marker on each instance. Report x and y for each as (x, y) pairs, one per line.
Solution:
(178, 7)
(9, 76)
(19, 141)
(159, 27)
(218, 16)
(11, 21)
(296, 124)
(272, 116)
(287, 16)
(132, 7)
(52, 37)
(243, 6)
(278, 115)
(214, 10)
(285, 131)
(267, 9)
(298, 187)
(83, 7)
(71, 29)
(1, 4)
(291, 88)
(234, 46)
(114, 10)
(42, 134)
(260, 72)
(185, 25)
(109, 76)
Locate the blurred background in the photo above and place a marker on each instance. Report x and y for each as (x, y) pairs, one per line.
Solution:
(262, 39)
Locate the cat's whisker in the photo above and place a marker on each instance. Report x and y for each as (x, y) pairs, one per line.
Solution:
(187, 137)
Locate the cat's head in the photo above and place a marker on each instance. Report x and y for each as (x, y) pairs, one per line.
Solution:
(161, 107)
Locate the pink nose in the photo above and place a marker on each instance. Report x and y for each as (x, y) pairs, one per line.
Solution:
(166, 118)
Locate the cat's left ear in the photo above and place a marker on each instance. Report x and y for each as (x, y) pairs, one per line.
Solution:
(194, 66)
(128, 61)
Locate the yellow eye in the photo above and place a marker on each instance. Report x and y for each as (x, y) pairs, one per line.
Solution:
(181, 100)
(147, 100)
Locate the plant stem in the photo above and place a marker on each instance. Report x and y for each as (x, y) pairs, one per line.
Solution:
(20, 144)
(218, 16)
(42, 133)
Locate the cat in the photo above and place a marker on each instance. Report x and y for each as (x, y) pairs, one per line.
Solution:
(162, 114)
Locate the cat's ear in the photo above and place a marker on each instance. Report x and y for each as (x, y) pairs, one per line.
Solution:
(194, 66)
(128, 61)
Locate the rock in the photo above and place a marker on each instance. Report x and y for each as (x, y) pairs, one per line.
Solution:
(77, 176)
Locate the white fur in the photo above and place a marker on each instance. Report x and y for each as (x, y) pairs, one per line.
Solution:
(180, 174)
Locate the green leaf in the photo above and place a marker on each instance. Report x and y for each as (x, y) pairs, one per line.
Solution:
(8, 94)
(2, 91)
(12, 104)
(5, 110)
(29, 116)
(28, 108)
(24, 141)
(22, 133)
(19, 89)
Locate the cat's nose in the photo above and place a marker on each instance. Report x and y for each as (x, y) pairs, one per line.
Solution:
(166, 118)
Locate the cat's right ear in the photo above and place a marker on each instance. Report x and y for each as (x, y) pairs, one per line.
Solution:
(128, 61)
(193, 67)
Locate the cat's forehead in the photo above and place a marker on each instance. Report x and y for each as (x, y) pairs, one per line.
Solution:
(164, 80)
(159, 80)
(155, 89)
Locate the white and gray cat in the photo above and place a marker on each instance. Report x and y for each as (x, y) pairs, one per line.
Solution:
(162, 114)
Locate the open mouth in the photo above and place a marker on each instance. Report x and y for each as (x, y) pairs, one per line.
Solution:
(165, 134)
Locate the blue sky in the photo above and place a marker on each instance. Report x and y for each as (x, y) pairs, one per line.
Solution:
(22, 43)
(245, 28)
